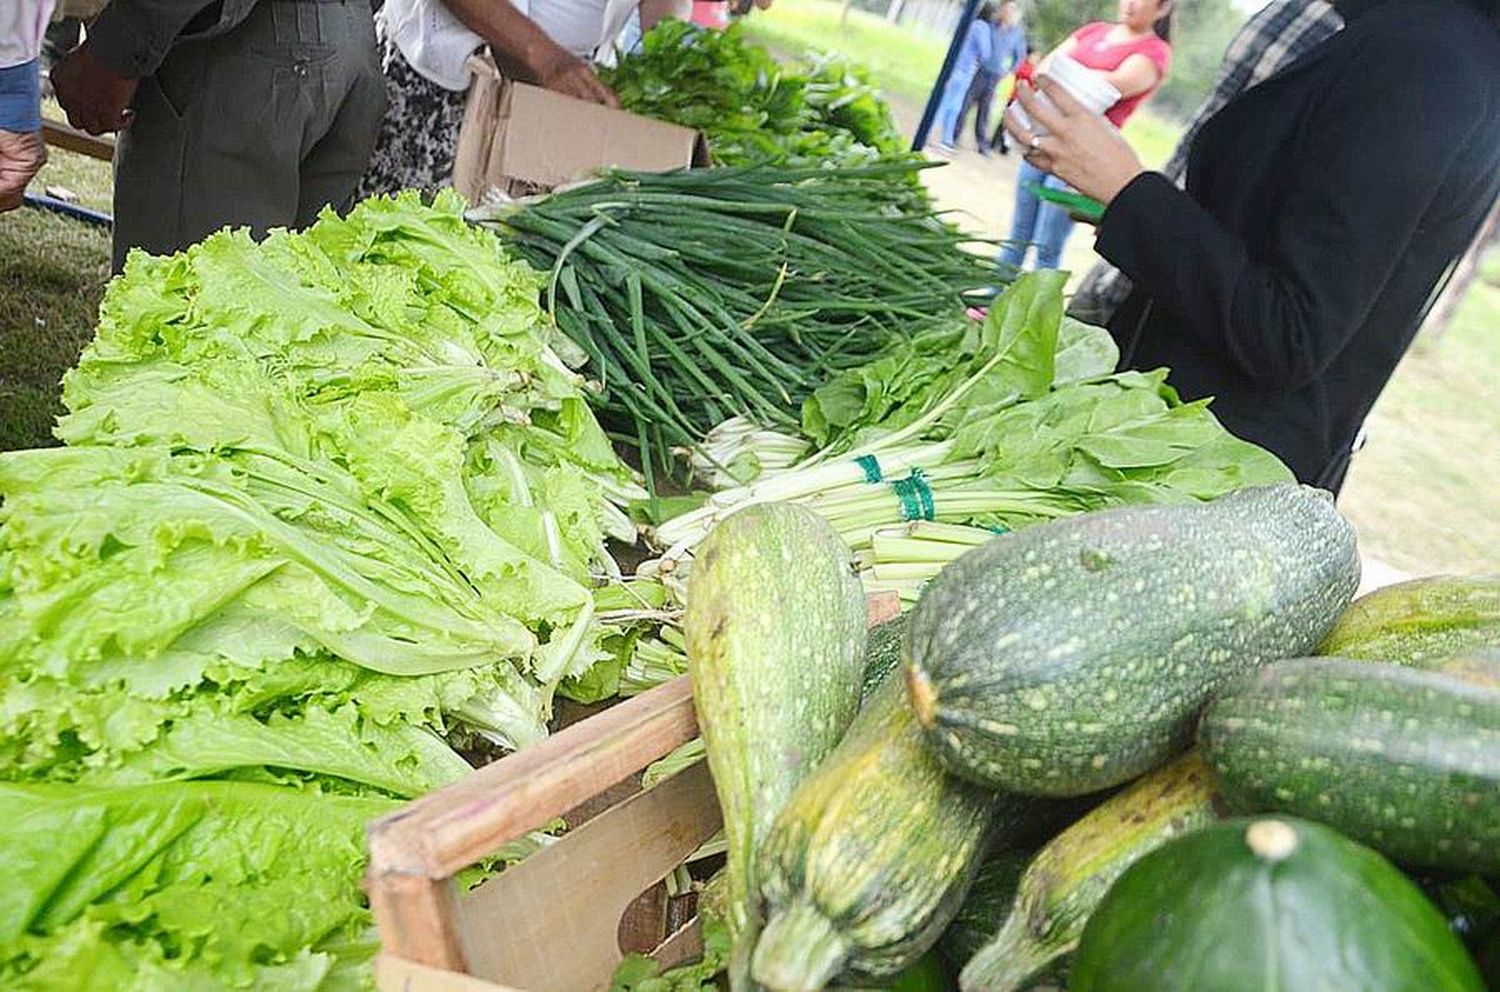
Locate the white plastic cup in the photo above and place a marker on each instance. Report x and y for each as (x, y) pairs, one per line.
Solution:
(1085, 85)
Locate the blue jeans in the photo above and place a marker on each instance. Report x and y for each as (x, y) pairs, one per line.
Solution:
(1036, 222)
(955, 94)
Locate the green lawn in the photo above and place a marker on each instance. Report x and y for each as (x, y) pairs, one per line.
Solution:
(52, 271)
(89, 178)
(1422, 492)
(904, 64)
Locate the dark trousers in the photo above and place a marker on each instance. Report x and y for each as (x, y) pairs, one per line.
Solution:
(980, 96)
(260, 127)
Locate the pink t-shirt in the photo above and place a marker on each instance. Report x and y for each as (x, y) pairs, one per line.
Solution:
(1094, 50)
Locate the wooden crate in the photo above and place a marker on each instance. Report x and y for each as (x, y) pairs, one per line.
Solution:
(557, 921)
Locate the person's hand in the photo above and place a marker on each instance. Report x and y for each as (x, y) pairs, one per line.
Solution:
(1082, 149)
(567, 74)
(95, 97)
(22, 155)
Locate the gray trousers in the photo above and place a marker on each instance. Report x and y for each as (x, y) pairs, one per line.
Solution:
(260, 127)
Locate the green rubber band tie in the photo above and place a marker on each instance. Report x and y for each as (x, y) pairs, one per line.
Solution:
(998, 529)
(915, 496)
(871, 465)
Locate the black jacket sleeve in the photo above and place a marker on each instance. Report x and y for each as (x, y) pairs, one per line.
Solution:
(1373, 155)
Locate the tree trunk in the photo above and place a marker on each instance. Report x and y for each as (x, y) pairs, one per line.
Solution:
(844, 13)
(1463, 277)
(893, 10)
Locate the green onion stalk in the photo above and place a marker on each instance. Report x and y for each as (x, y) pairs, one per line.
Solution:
(705, 294)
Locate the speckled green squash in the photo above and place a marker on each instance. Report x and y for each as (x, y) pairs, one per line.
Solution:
(870, 858)
(1480, 666)
(1404, 760)
(1418, 621)
(1075, 655)
(1268, 906)
(1070, 875)
(775, 631)
(986, 906)
(883, 652)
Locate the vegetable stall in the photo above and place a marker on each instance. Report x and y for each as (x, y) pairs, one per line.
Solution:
(344, 515)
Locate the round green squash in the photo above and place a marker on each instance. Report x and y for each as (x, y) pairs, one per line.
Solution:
(1075, 655)
(1268, 905)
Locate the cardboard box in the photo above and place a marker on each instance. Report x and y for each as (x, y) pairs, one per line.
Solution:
(518, 139)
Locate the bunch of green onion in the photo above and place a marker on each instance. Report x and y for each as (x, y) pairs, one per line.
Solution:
(704, 294)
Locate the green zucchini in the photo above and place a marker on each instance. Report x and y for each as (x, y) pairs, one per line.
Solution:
(870, 858)
(1268, 905)
(986, 906)
(1407, 761)
(883, 651)
(1419, 620)
(1075, 655)
(1481, 666)
(1071, 874)
(775, 633)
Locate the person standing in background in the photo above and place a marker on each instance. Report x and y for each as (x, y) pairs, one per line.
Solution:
(979, 39)
(231, 112)
(1025, 73)
(23, 24)
(1275, 37)
(1007, 51)
(1133, 55)
(1291, 275)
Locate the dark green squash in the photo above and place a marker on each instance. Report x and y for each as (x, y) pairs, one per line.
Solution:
(986, 906)
(1405, 760)
(1075, 655)
(1269, 905)
(870, 858)
(883, 651)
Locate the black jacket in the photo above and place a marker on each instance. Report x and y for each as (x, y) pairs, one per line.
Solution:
(1322, 208)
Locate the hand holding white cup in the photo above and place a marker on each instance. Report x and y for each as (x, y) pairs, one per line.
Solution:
(1071, 139)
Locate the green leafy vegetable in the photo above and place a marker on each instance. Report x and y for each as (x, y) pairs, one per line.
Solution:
(829, 268)
(331, 505)
(998, 425)
(753, 108)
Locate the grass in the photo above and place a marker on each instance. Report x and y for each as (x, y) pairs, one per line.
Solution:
(1421, 493)
(1152, 136)
(904, 63)
(89, 178)
(52, 273)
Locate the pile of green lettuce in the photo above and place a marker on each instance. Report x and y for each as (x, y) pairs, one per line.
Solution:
(330, 507)
(753, 109)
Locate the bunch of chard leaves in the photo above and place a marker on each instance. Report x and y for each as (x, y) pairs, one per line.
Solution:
(1003, 423)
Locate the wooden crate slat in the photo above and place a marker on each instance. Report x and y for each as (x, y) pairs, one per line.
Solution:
(448, 830)
(511, 924)
(417, 918)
